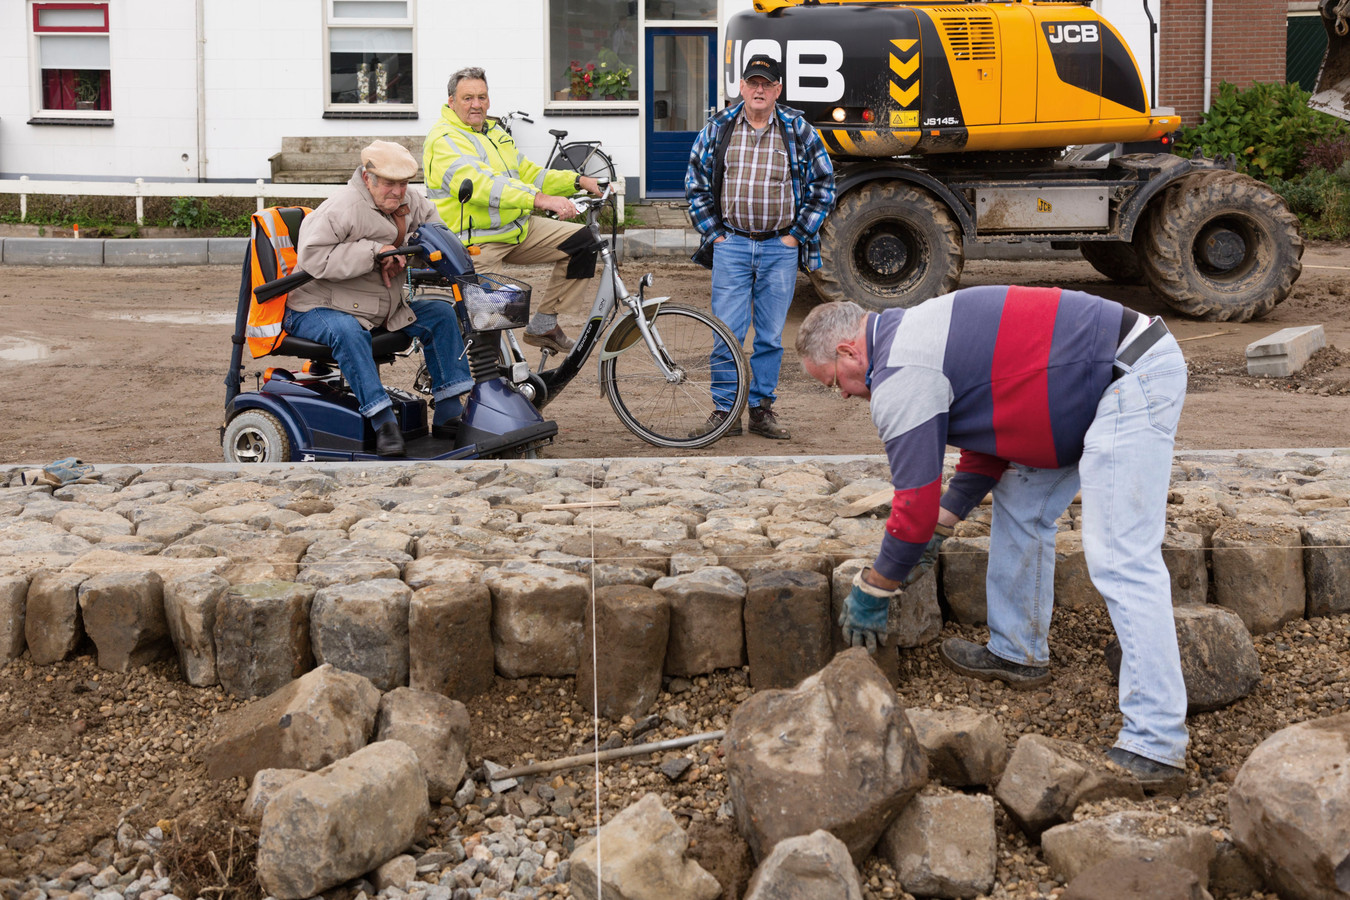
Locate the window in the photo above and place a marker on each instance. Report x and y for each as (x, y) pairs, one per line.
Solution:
(370, 56)
(72, 62)
(593, 49)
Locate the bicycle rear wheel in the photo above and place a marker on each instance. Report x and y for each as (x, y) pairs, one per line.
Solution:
(588, 159)
(707, 358)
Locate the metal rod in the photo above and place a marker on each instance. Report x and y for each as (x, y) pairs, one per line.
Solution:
(585, 759)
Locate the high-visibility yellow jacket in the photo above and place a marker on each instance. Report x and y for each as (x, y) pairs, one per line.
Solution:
(504, 181)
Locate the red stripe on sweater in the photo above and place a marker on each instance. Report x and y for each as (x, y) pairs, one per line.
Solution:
(1021, 416)
(913, 513)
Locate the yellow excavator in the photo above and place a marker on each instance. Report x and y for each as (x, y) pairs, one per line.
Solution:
(952, 124)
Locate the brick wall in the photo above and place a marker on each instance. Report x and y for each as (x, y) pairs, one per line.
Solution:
(1248, 43)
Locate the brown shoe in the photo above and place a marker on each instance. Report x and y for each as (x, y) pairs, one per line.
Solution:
(764, 422)
(553, 340)
(715, 418)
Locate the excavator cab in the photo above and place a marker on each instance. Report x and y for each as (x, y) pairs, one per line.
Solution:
(1331, 92)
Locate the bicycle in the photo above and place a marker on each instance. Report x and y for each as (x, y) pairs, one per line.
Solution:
(664, 396)
(584, 157)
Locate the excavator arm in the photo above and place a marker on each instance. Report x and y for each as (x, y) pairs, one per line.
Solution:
(1331, 93)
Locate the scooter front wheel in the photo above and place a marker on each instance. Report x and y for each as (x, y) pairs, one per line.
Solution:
(711, 374)
(255, 436)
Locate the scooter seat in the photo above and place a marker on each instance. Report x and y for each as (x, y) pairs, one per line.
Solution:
(383, 344)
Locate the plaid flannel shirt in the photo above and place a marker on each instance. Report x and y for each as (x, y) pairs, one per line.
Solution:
(812, 182)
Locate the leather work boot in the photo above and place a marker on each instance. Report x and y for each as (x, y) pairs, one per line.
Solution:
(975, 660)
(715, 418)
(554, 339)
(389, 440)
(1154, 777)
(764, 422)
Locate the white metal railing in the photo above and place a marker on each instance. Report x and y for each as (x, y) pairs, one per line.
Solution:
(140, 189)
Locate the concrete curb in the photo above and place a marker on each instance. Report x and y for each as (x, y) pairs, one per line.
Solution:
(635, 243)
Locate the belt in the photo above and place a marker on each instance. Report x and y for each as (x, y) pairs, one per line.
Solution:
(1131, 352)
(760, 235)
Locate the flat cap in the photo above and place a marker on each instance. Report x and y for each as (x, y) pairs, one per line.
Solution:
(390, 161)
(761, 65)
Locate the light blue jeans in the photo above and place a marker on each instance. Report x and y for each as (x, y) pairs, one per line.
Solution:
(436, 328)
(751, 281)
(1124, 475)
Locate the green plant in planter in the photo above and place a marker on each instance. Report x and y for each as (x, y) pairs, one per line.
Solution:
(612, 75)
(87, 89)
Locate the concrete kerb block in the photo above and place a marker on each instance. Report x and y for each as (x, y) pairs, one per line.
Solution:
(53, 252)
(146, 252)
(1285, 352)
(225, 251)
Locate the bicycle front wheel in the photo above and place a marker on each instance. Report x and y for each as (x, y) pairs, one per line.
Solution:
(710, 373)
(587, 159)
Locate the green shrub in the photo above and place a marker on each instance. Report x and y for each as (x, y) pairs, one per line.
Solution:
(1321, 200)
(1267, 127)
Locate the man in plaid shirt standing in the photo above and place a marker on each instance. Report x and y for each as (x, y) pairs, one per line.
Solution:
(759, 185)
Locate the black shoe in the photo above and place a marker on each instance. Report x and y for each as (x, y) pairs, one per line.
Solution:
(764, 422)
(446, 431)
(554, 339)
(389, 440)
(715, 418)
(975, 660)
(1154, 777)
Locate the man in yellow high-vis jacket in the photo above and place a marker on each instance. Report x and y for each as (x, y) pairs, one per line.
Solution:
(507, 190)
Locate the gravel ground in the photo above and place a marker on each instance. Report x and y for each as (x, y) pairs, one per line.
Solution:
(103, 795)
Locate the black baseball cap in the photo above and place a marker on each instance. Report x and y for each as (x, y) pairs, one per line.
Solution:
(762, 65)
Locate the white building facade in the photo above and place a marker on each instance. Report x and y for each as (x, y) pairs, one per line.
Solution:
(205, 90)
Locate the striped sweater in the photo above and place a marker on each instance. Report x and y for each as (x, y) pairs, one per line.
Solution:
(1006, 374)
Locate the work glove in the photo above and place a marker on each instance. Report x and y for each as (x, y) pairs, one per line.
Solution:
(866, 610)
(930, 553)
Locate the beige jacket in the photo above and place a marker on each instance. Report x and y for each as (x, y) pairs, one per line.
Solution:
(338, 243)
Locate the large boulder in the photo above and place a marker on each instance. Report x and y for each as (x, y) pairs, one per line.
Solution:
(1288, 808)
(965, 747)
(707, 628)
(813, 866)
(311, 722)
(1046, 780)
(342, 821)
(1326, 567)
(435, 727)
(1075, 847)
(631, 627)
(1258, 574)
(944, 845)
(52, 625)
(13, 603)
(262, 636)
(450, 639)
(836, 752)
(1218, 659)
(640, 855)
(537, 614)
(123, 613)
(787, 627)
(363, 628)
(190, 608)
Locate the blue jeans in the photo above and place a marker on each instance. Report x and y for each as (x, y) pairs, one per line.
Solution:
(751, 281)
(1124, 474)
(436, 328)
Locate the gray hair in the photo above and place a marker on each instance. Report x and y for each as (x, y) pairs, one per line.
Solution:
(825, 328)
(468, 73)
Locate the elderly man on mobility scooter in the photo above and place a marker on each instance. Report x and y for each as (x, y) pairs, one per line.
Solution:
(354, 291)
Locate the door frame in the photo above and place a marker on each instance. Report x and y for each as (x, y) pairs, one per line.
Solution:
(710, 34)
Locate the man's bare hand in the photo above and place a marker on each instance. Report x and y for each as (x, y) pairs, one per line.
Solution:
(391, 267)
(559, 206)
(591, 185)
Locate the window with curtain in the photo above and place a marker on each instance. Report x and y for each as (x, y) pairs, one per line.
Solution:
(370, 54)
(72, 60)
(593, 50)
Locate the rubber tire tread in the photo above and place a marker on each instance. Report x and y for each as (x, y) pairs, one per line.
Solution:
(571, 156)
(613, 391)
(1117, 260)
(921, 212)
(1175, 223)
(266, 421)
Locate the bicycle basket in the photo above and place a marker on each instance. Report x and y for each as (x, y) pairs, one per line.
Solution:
(492, 304)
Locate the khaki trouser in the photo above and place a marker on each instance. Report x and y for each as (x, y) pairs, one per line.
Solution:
(541, 246)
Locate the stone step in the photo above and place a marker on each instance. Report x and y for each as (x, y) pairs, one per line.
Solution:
(1285, 352)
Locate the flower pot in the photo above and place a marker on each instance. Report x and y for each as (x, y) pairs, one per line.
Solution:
(585, 96)
(613, 97)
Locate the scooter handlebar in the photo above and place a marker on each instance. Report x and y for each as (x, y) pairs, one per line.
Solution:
(405, 250)
(265, 292)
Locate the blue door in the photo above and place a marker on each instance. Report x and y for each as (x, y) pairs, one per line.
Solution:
(681, 92)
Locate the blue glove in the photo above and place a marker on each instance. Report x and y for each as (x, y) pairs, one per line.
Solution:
(866, 611)
(930, 554)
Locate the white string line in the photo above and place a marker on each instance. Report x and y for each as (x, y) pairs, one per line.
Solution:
(595, 707)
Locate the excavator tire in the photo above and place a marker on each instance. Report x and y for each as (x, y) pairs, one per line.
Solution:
(888, 245)
(1222, 247)
(1116, 260)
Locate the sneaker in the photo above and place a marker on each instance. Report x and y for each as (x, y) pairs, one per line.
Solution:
(715, 418)
(1154, 777)
(553, 340)
(764, 422)
(975, 660)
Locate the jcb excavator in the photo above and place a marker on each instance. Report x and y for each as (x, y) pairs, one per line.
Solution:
(948, 123)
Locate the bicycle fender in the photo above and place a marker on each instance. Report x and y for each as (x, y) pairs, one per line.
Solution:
(623, 334)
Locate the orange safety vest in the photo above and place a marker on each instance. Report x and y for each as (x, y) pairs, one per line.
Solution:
(272, 255)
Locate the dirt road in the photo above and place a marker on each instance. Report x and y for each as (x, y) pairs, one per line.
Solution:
(128, 365)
